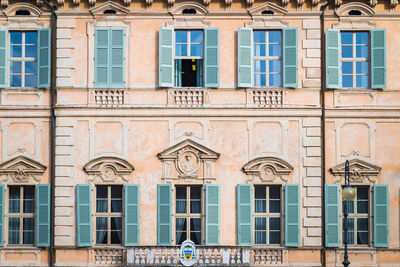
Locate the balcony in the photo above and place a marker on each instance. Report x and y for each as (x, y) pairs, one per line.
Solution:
(107, 98)
(265, 98)
(207, 256)
(188, 97)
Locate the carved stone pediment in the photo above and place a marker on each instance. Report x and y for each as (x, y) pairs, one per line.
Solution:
(360, 171)
(267, 169)
(108, 169)
(366, 11)
(188, 160)
(109, 5)
(22, 170)
(178, 8)
(267, 6)
(33, 10)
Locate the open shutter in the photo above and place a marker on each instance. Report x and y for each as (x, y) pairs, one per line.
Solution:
(378, 59)
(332, 59)
(3, 58)
(83, 215)
(131, 215)
(166, 57)
(2, 215)
(43, 215)
(211, 55)
(332, 215)
(245, 44)
(290, 57)
(212, 214)
(116, 63)
(101, 60)
(164, 214)
(244, 199)
(381, 216)
(43, 60)
(292, 215)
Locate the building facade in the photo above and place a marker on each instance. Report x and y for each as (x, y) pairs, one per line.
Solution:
(147, 123)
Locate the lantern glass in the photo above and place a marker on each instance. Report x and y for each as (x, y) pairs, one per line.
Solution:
(348, 193)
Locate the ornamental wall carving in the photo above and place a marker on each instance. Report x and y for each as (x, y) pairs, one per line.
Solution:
(361, 172)
(22, 170)
(188, 161)
(108, 170)
(267, 170)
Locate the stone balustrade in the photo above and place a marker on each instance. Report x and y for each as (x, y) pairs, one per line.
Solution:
(109, 256)
(107, 97)
(188, 97)
(265, 98)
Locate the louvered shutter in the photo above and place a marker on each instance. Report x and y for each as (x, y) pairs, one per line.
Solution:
(332, 59)
(378, 59)
(332, 215)
(381, 215)
(3, 58)
(131, 215)
(245, 43)
(43, 60)
(2, 215)
(83, 215)
(212, 214)
(101, 58)
(164, 214)
(244, 199)
(211, 55)
(290, 57)
(116, 55)
(165, 57)
(43, 215)
(292, 215)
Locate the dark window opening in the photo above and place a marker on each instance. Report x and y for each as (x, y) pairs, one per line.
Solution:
(189, 72)
(22, 13)
(189, 11)
(355, 13)
(267, 12)
(109, 12)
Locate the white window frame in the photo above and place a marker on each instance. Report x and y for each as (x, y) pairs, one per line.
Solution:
(188, 44)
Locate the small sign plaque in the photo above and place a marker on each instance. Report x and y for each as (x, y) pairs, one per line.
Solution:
(188, 254)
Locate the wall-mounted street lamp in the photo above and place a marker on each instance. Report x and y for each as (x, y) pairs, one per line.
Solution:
(348, 194)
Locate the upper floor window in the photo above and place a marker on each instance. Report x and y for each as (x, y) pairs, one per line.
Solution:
(267, 58)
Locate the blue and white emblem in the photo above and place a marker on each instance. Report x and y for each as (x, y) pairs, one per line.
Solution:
(188, 253)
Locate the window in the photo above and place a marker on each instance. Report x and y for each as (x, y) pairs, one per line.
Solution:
(189, 58)
(188, 222)
(108, 214)
(358, 218)
(267, 215)
(354, 59)
(267, 58)
(21, 215)
(23, 59)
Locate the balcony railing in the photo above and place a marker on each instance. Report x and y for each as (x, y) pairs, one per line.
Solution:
(107, 97)
(188, 97)
(265, 98)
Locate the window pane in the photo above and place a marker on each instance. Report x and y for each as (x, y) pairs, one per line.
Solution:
(29, 192)
(274, 223)
(195, 192)
(260, 237)
(196, 237)
(361, 37)
(195, 206)
(362, 67)
(274, 80)
(116, 191)
(259, 50)
(195, 224)
(101, 237)
(31, 37)
(347, 51)
(101, 205)
(180, 224)
(275, 192)
(15, 67)
(275, 237)
(14, 192)
(259, 36)
(101, 191)
(259, 80)
(28, 223)
(180, 237)
(101, 223)
(362, 238)
(274, 50)
(30, 67)
(347, 67)
(181, 37)
(28, 237)
(274, 36)
(260, 224)
(196, 50)
(260, 192)
(29, 206)
(362, 51)
(362, 224)
(347, 81)
(16, 51)
(116, 237)
(260, 206)
(362, 207)
(180, 192)
(350, 206)
(196, 36)
(362, 81)
(16, 37)
(31, 51)
(180, 206)
(362, 192)
(274, 66)
(346, 37)
(14, 206)
(259, 66)
(116, 223)
(30, 80)
(13, 224)
(13, 237)
(275, 206)
(116, 205)
(180, 50)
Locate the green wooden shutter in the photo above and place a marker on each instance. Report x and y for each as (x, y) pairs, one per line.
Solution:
(332, 215)
(378, 59)
(290, 57)
(3, 58)
(212, 214)
(165, 57)
(381, 215)
(43, 60)
(332, 59)
(101, 58)
(131, 215)
(245, 45)
(43, 215)
(292, 215)
(244, 200)
(164, 214)
(116, 56)
(211, 55)
(2, 215)
(84, 215)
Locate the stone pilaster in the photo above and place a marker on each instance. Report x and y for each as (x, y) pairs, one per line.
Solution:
(311, 61)
(65, 45)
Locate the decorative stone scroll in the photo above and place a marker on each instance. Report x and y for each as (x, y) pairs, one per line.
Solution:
(360, 172)
(22, 170)
(188, 160)
(108, 169)
(267, 169)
